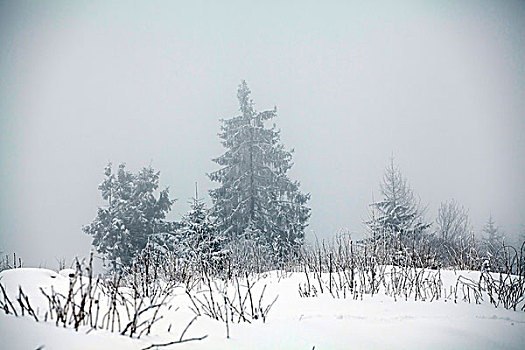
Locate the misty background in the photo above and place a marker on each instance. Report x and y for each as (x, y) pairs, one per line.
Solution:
(439, 85)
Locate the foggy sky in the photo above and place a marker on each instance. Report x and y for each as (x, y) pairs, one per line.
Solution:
(440, 86)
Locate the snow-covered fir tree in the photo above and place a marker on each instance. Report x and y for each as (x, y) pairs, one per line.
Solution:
(132, 216)
(398, 217)
(255, 191)
(198, 238)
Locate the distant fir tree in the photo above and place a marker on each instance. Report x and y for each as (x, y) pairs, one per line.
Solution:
(255, 191)
(398, 217)
(520, 238)
(133, 215)
(493, 239)
(199, 240)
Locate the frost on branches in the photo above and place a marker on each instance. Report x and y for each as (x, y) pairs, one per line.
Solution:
(255, 192)
(133, 214)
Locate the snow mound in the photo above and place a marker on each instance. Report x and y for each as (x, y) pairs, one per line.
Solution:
(67, 273)
(32, 279)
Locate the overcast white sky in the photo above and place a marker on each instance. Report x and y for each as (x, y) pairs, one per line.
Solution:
(439, 84)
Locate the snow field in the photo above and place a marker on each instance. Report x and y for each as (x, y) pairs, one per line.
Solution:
(293, 322)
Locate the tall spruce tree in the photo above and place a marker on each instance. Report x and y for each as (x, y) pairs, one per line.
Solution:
(255, 191)
(132, 216)
(398, 217)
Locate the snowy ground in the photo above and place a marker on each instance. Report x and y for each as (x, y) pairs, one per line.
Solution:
(293, 323)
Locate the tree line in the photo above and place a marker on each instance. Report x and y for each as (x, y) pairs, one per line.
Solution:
(258, 212)
(397, 223)
(256, 205)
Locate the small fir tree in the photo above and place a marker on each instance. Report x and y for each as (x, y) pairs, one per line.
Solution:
(398, 217)
(198, 238)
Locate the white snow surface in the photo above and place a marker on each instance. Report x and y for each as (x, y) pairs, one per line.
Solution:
(375, 322)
